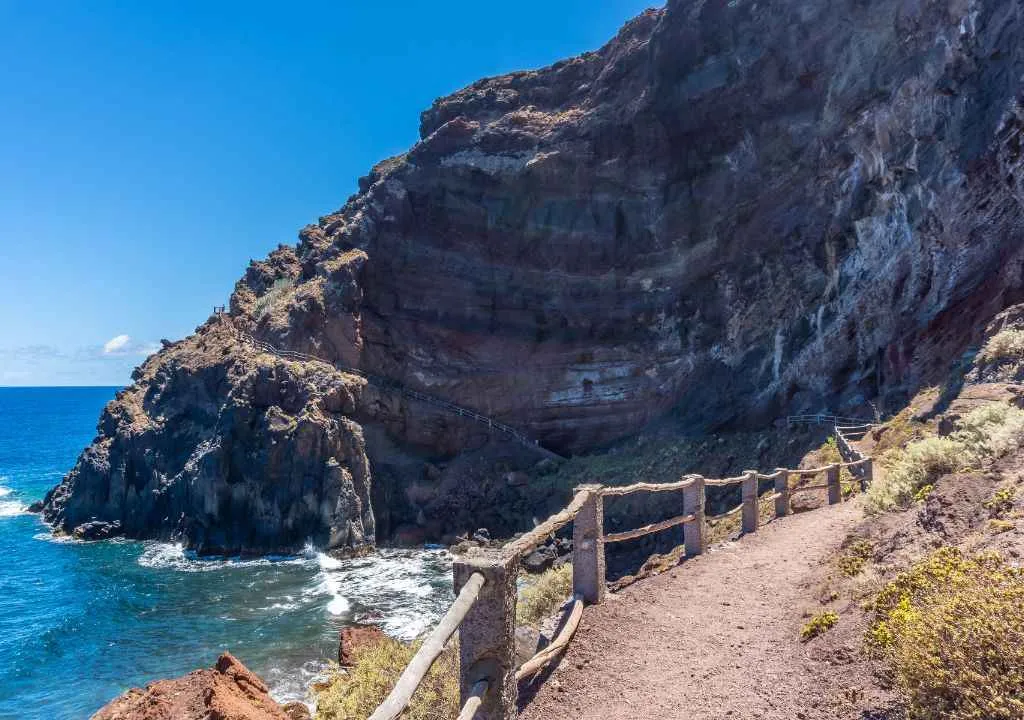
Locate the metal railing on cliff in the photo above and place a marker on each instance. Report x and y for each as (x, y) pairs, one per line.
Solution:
(484, 611)
(395, 386)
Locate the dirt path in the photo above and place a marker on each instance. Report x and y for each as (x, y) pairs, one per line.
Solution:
(717, 637)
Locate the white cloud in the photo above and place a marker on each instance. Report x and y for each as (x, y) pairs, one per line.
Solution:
(116, 344)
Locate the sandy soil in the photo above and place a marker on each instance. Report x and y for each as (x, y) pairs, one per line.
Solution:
(717, 637)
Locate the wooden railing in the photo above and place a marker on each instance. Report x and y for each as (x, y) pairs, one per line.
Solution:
(484, 611)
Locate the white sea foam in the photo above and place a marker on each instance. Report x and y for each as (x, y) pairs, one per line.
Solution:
(10, 508)
(174, 556)
(402, 591)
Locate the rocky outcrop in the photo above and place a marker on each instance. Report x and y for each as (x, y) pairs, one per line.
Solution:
(730, 212)
(226, 450)
(228, 691)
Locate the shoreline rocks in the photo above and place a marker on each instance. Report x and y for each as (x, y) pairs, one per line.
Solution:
(228, 690)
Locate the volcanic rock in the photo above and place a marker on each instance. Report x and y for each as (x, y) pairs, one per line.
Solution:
(730, 212)
(351, 639)
(228, 691)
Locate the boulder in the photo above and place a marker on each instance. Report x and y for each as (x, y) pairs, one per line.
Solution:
(97, 530)
(351, 639)
(228, 691)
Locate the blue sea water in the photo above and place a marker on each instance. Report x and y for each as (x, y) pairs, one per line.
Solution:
(82, 622)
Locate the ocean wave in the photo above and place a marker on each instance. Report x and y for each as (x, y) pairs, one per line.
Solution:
(10, 508)
(59, 539)
(174, 556)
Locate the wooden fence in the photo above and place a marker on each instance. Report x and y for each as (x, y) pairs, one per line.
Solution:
(484, 611)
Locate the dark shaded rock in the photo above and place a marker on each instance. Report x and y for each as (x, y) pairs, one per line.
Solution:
(539, 560)
(409, 535)
(97, 530)
(36, 507)
(482, 535)
(351, 639)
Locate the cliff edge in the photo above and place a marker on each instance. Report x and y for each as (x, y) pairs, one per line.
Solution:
(729, 212)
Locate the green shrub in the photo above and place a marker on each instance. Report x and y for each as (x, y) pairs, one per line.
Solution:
(356, 693)
(821, 623)
(543, 594)
(984, 433)
(920, 463)
(1000, 503)
(951, 629)
(1005, 345)
(856, 558)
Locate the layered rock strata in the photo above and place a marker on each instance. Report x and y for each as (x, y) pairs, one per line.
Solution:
(730, 212)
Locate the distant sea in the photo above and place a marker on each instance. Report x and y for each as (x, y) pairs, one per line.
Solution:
(82, 622)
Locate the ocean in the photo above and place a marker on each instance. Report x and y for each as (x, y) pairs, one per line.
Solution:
(82, 622)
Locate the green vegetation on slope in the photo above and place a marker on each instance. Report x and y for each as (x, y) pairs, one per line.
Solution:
(984, 433)
(952, 631)
(542, 595)
(354, 694)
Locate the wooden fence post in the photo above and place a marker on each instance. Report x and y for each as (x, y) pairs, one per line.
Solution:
(693, 504)
(782, 488)
(867, 472)
(487, 634)
(588, 568)
(835, 490)
(751, 514)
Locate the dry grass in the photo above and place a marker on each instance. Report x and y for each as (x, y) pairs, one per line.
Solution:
(985, 433)
(543, 594)
(356, 693)
(952, 631)
(1007, 344)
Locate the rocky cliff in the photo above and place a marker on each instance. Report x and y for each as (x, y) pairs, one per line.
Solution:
(729, 212)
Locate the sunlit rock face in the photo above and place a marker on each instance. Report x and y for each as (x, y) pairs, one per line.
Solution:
(730, 212)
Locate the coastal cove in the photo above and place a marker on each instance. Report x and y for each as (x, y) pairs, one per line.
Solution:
(82, 622)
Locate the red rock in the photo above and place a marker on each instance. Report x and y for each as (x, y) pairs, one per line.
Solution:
(352, 638)
(228, 691)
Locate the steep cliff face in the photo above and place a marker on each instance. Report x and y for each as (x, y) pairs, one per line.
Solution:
(731, 211)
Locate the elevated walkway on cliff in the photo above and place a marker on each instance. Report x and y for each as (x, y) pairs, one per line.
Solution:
(394, 386)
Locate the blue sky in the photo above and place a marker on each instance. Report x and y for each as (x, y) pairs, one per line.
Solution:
(148, 150)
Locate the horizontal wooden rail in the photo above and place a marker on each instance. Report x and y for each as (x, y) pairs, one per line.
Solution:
(557, 647)
(725, 482)
(648, 529)
(554, 523)
(410, 679)
(771, 476)
(476, 697)
(727, 513)
(648, 487)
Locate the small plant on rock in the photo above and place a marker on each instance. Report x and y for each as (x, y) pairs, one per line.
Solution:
(541, 596)
(1001, 503)
(856, 558)
(819, 624)
(1007, 344)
